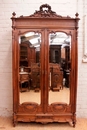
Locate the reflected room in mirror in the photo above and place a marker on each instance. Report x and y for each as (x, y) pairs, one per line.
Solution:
(29, 67)
(59, 66)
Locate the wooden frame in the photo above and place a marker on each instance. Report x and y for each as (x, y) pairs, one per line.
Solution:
(44, 21)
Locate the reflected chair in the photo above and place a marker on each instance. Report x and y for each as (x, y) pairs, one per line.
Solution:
(56, 77)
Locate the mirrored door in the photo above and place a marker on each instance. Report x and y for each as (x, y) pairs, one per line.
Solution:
(59, 67)
(29, 67)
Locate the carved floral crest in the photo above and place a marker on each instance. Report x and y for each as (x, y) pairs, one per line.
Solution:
(45, 11)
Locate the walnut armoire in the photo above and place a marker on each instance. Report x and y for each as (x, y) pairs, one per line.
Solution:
(53, 69)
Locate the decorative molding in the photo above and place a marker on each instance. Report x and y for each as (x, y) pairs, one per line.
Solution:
(44, 12)
(58, 107)
(29, 107)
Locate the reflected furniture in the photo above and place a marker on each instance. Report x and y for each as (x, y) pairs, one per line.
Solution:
(56, 77)
(67, 75)
(24, 81)
(27, 54)
(35, 76)
(45, 22)
(55, 53)
(24, 54)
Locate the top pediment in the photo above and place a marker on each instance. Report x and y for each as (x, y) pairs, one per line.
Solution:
(43, 12)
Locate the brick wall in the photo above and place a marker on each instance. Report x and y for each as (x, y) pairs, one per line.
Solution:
(27, 7)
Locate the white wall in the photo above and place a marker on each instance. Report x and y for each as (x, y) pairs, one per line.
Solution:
(27, 7)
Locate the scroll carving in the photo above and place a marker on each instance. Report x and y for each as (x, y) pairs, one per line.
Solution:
(29, 107)
(44, 12)
(58, 107)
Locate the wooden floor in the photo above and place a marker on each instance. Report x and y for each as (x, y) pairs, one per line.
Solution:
(6, 124)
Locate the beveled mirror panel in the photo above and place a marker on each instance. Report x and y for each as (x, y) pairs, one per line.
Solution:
(59, 67)
(29, 67)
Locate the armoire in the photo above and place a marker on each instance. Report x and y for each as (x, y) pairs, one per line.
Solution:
(50, 80)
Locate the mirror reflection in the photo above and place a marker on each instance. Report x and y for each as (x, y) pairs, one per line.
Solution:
(59, 67)
(29, 67)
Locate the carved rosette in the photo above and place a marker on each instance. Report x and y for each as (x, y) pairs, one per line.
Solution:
(58, 107)
(29, 107)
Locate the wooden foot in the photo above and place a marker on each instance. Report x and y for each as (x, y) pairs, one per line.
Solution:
(74, 123)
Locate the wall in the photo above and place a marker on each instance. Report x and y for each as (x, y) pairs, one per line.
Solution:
(27, 7)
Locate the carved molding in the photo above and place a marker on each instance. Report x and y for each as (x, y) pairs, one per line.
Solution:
(44, 12)
(29, 107)
(58, 107)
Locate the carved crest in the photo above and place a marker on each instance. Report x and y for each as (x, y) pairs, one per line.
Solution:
(45, 11)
